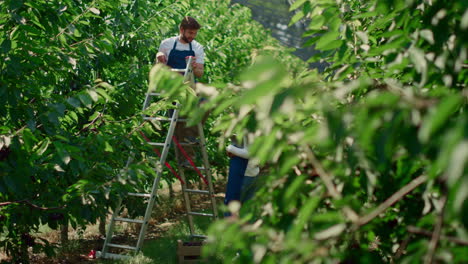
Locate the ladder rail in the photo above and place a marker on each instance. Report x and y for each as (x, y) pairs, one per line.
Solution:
(159, 169)
(206, 163)
(110, 228)
(188, 206)
(115, 213)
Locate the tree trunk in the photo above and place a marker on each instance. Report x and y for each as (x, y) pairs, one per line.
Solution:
(102, 225)
(23, 256)
(171, 192)
(64, 233)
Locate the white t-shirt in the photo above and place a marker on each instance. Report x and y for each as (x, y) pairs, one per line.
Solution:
(167, 45)
(252, 169)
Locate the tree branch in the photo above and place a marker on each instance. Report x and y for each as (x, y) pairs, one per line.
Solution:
(75, 19)
(327, 180)
(31, 205)
(390, 201)
(401, 248)
(420, 231)
(92, 122)
(437, 230)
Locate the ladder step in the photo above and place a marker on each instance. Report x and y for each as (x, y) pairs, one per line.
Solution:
(129, 220)
(198, 236)
(178, 70)
(147, 195)
(111, 256)
(163, 119)
(157, 118)
(153, 94)
(200, 214)
(156, 144)
(189, 144)
(197, 191)
(121, 246)
(199, 168)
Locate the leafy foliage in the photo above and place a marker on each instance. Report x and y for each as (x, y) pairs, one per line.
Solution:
(358, 158)
(73, 78)
(364, 154)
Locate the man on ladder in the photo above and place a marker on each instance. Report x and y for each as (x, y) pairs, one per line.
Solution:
(174, 52)
(176, 59)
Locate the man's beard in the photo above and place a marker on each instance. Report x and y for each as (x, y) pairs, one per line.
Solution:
(184, 38)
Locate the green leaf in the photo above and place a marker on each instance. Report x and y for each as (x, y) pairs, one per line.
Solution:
(366, 14)
(296, 18)
(62, 152)
(94, 115)
(63, 39)
(86, 100)
(43, 147)
(333, 45)
(74, 102)
(304, 215)
(104, 94)
(296, 5)
(263, 78)
(108, 147)
(464, 20)
(439, 116)
(418, 59)
(458, 163)
(316, 22)
(73, 116)
(427, 35)
(326, 40)
(328, 217)
(93, 95)
(6, 45)
(29, 139)
(95, 11)
(293, 189)
(76, 33)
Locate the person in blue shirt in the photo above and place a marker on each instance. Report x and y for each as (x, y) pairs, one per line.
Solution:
(243, 171)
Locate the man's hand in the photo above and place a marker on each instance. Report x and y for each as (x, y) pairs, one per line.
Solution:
(161, 57)
(198, 68)
(229, 154)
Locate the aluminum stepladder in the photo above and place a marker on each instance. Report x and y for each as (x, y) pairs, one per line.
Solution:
(158, 167)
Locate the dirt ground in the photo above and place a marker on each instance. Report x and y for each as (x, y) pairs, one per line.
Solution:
(81, 242)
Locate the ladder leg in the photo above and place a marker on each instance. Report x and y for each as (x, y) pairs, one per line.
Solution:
(158, 168)
(188, 207)
(110, 228)
(147, 101)
(149, 210)
(207, 170)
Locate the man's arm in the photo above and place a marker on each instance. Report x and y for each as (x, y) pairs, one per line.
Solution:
(240, 152)
(163, 51)
(198, 64)
(198, 69)
(161, 57)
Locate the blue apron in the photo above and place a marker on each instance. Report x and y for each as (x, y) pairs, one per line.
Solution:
(177, 57)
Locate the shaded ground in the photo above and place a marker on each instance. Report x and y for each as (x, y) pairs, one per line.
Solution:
(168, 224)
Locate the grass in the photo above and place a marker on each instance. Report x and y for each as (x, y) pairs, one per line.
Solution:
(164, 249)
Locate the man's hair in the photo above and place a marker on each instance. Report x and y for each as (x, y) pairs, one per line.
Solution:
(189, 23)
